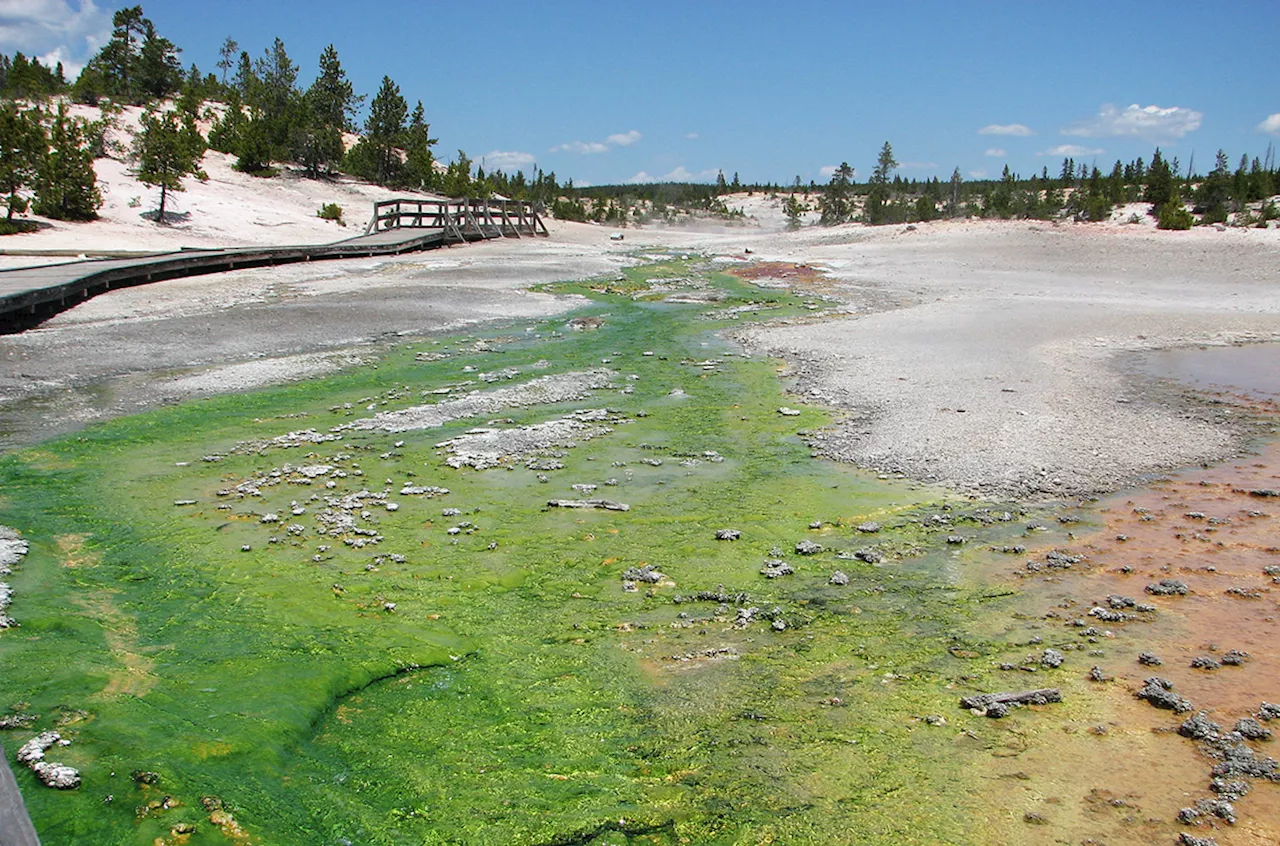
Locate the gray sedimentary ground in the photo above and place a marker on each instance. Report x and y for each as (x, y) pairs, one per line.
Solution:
(987, 355)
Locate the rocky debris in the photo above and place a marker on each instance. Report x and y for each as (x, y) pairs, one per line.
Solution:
(1052, 658)
(1159, 692)
(955, 540)
(1096, 674)
(808, 547)
(789, 412)
(1149, 659)
(1238, 760)
(604, 504)
(1269, 711)
(1055, 559)
(867, 554)
(996, 705)
(1200, 727)
(57, 776)
(1229, 790)
(1120, 602)
(1185, 839)
(1106, 615)
(12, 550)
(1220, 808)
(775, 567)
(647, 573)
(1251, 729)
(779, 625)
(428, 491)
(1264, 493)
(535, 445)
(870, 527)
(838, 578)
(1205, 662)
(52, 774)
(728, 534)
(1168, 587)
(562, 387)
(1243, 592)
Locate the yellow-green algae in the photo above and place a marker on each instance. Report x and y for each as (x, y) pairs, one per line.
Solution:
(516, 694)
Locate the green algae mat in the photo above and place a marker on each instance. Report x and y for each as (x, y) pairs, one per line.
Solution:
(346, 611)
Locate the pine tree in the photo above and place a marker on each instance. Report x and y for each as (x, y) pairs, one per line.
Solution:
(158, 71)
(227, 57)
(168, 149)
(879, 195)
(23, 145)
(835, 203)
(66, 185)
(1160, 186)
(419, 163)
(379, 158)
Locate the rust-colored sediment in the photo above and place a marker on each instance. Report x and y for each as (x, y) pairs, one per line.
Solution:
(1123, 778)
(792, 274)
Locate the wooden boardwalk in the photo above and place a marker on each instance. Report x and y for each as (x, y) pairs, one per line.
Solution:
(31, 295)
(15, 825)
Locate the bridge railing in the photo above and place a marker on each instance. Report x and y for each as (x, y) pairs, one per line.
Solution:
(463, 219)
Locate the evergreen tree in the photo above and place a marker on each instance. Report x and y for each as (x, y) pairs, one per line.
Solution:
(377, 156)
(23, 145)
(227, 57)
(794, 210)
(835, 203)
(1160, 187)
(168, 149)
(419, 163)
(457, 177)
(879, 195)
(1211, 198)
(66, 184)
(158, 71)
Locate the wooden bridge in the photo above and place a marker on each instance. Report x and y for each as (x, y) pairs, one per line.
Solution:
(31, 295)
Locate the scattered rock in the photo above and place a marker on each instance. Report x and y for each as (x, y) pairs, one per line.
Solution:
(1168, 587)
(775, 567)
(1097, 675)
(808, 547)
(1269, 711)
(58, 776)
(1206, 662)
(1185, 839)
(1149, 659)
(1159, 692)
(646, 573)
(728, 534)
(1200, 727)
(871, 556)
(788, 412)
(838, 578)
(1052, 658)
(1251, 729)
(870, 527)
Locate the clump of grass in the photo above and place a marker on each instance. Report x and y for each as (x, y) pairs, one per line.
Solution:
(331, 211)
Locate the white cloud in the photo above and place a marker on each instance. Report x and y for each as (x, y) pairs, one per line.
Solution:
(692, 136)
(978, 173)
(1150, 123)
(624, 139)
(828, 171)
(994, 152)
(1072, 150)
(1271, 124)
(67, 31)
(680, 174)
(1006, 129)
(507, 161)
(619, 139)
(581, 147)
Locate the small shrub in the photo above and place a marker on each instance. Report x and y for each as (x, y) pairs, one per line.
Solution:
(15, 227)
(1173, 215)
(331, 211)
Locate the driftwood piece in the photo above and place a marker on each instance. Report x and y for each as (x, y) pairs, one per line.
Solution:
(606, 504)
(997, 704)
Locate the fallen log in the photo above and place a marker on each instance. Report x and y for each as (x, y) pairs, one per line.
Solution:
(998, 704)
(606, 504)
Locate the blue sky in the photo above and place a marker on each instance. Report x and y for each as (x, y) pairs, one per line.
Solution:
(607, 92)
